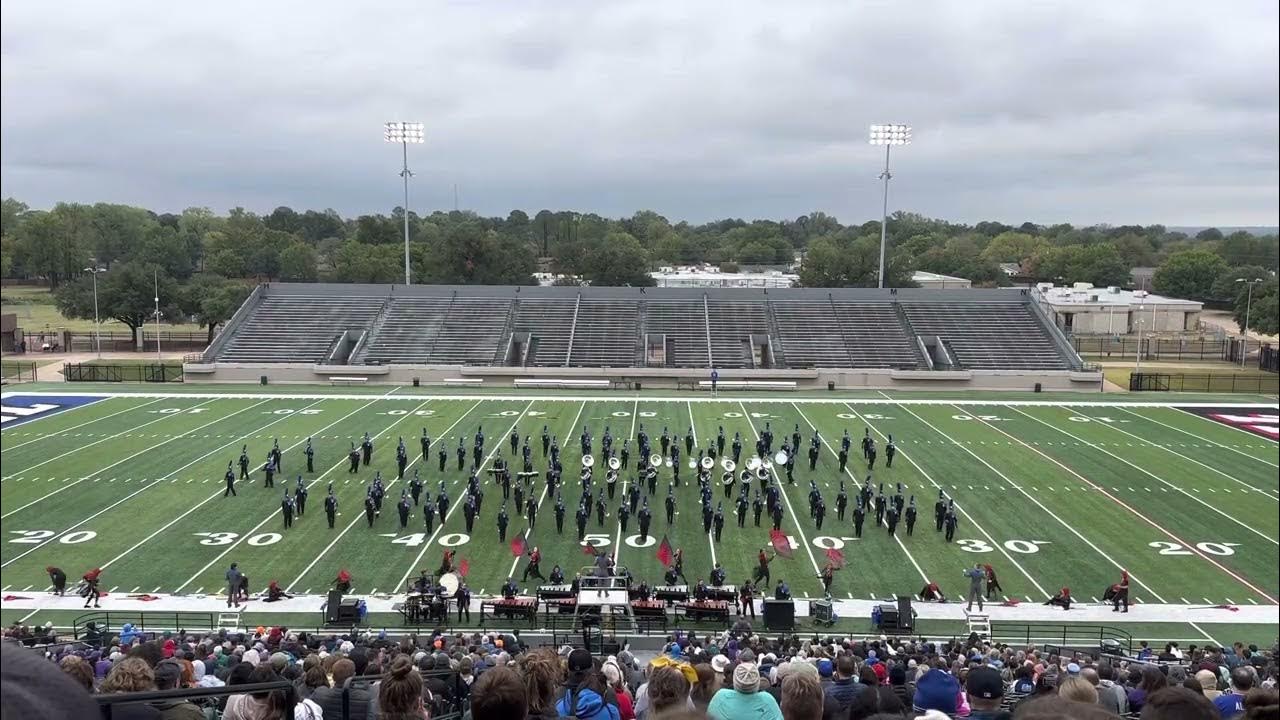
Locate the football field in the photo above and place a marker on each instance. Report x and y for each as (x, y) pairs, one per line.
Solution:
(1050, 492)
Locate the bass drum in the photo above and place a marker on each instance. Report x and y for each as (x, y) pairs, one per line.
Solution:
(450, 583)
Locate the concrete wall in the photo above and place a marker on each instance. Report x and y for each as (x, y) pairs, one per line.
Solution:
(1124, 321)
(656, 378)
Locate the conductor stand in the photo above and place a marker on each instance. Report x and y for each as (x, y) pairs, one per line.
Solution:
(342, 612)
(602, 602)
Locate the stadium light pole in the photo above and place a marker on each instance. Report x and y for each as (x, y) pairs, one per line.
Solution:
(888, 136)
(1248, 303)
(404, 133)
(155, 278)
(97, 324)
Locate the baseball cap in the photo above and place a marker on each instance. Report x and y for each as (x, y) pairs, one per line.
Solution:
(579, 660)
(936, 690)
(985, 683)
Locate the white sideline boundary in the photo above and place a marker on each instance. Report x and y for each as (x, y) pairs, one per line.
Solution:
(383, 603)
(994, 401)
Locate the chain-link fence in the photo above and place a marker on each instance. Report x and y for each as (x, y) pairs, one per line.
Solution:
(155, 373)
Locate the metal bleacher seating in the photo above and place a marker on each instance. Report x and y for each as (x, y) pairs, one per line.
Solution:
(874, 336)
(471, 331)
(684, 324)
(605, 334)
(406, 332)
(733, 322)
(297, 328)
(548, 321)
(808, 334)
(988, 336)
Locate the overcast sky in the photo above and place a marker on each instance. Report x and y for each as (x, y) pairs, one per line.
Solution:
(1077, 111)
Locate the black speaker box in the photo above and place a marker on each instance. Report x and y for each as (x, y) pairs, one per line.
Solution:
(779, 615)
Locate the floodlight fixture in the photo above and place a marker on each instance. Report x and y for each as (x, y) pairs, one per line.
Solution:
(405, 133)
(888, 135)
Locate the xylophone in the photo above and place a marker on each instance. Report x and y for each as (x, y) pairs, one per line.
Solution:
(648, 608)
(555, 592)
(706, 610)
(728, 593)
(513, 608)
(671, 592)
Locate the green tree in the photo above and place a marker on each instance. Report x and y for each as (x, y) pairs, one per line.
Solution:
(195, 226)
(12, 213)
(160, 245)
(843, 261)
(212, 299)
(1010, 247)
(49, 244)
(356, 262)
(618, 260)
(1098, 264)
(227, 263)
(1226, 289)
(125, 293)
(1264, 311)
(118, 229)
(298, 263)
(1190, 274)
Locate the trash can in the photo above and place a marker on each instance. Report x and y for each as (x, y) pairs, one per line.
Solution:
(1037, 387)
(262, 379)
(831, 385)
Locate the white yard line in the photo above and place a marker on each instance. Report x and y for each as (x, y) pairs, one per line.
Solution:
(1146, 472)
(773, 468)
(74, 427)
(1206, 635)
(200, 504)
(999, 546)
(156, 482)
(543, 496)
(81, 448)
(461, 496)
(656, 399)
(1269, 493)
(321, 476)
(1144, 518)
(1032, 498)
(853, 477)
(1201, 437)
(711, 540)
(617, 541)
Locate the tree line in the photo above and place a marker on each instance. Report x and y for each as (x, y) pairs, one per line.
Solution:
(207, 262)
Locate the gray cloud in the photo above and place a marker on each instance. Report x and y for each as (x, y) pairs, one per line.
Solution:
(1082, 111)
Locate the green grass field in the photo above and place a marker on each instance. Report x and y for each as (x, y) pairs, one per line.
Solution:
(37, 311)
(1050, 495)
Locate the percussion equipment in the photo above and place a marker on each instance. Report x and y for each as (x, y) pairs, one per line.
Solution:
(450, 583)
(671, 592)
(588, 461)
(781, 457)
(670, 462)
(655, 460)
(708, 463)
(614, 463)
(722, 592)
(555, 592)
(728, 464)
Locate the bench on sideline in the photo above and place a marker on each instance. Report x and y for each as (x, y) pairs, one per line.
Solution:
(561, 383)
(347, 380)
(464, 381)
(749, 385)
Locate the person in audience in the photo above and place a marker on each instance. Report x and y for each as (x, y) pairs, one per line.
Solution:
(1231, 704)
(585, 690)
(78, 670)
(744, 699)
(1178, 703)
(705, 688)
(801, 697)
(131, 674)
(1110, 695)
(540, 672)
(668, 692)
(330, 698)
(1262, 704)
(400, 692)
(985, 689)
(1151, 680)
(1078, 689)
(499, 694)
(168, 675)
(1208, 682)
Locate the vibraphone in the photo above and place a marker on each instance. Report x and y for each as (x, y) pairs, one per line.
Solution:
(706, 610)
(514, 608)
(648, 608)
(423, 607)
(728, 593)
(555, 592)
(671, 593)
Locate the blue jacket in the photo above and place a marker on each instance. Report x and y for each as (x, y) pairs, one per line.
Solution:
(588, 705)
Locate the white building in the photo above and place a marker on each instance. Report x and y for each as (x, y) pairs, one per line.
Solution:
(934, 281)
(711, 277)
(1083, 309)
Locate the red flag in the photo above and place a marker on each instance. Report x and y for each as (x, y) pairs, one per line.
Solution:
(780, 543)
(464, 567)
(517, 546)
(589, 549)
(665, 553)
(836, 557)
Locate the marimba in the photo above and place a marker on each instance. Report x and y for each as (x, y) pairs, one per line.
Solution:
(673, 593)
(555, 592)
(706, 610)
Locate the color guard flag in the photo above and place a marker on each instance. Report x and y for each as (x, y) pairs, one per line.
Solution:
(517, 546)
(836, 557)
(464, 567)
(665, 553)
(780, 543)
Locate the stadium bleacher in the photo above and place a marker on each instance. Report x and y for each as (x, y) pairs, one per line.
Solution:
(610, 327)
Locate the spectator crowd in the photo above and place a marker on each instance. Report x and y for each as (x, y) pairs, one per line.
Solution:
(739, 675)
